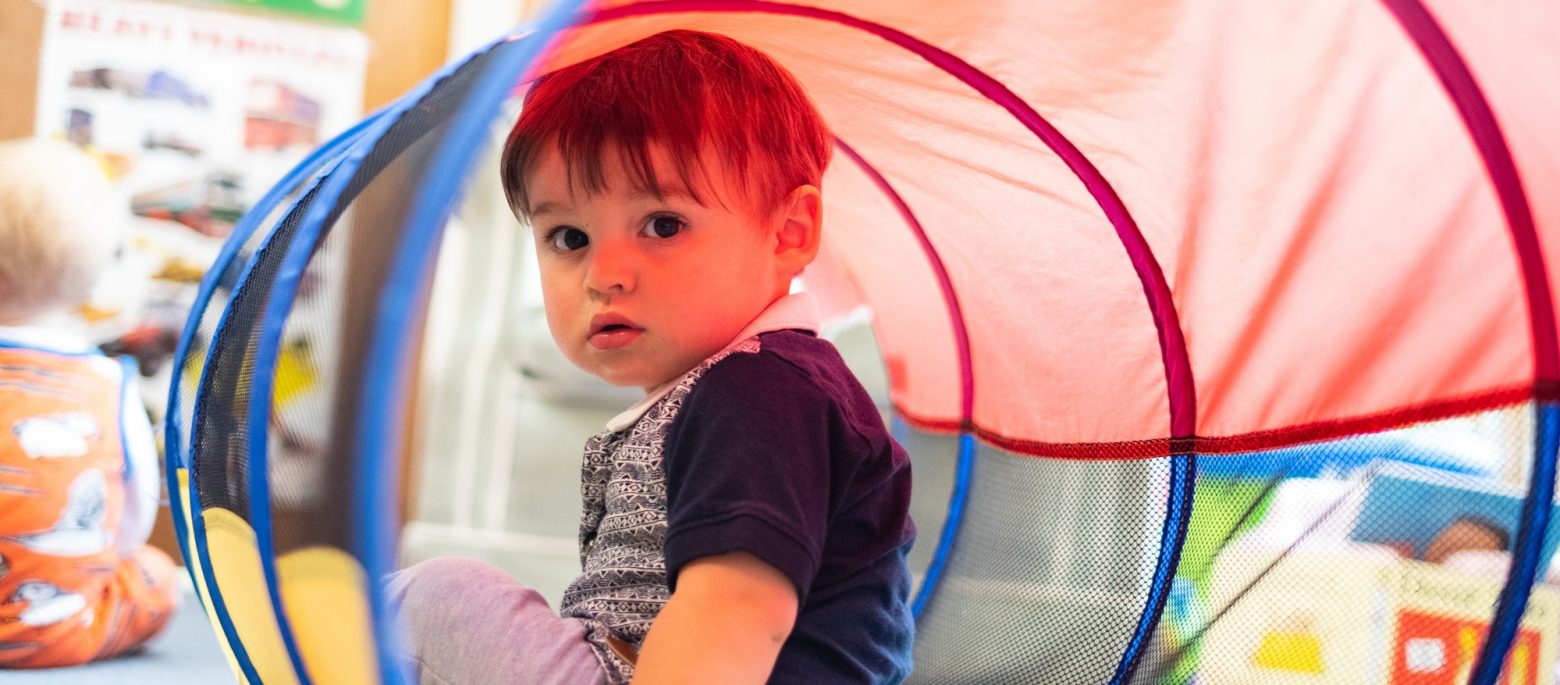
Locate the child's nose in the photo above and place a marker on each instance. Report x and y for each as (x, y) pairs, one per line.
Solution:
(612, 269)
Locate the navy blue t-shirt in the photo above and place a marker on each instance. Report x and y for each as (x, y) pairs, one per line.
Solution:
(783, 455)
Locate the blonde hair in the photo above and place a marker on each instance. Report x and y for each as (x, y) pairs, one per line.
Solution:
(59, 226)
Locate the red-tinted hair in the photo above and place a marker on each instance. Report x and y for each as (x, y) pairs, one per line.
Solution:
(686, 91)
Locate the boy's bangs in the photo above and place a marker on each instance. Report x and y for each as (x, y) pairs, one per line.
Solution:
(652, 165)
(663, 151)
(679, 99)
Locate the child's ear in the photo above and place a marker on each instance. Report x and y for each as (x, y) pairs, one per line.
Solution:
(800, 224)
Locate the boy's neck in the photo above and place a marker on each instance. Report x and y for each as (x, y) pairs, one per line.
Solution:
(748, 330)
(798, 312)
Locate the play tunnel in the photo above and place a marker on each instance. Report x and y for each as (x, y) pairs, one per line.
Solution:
(1202, 300)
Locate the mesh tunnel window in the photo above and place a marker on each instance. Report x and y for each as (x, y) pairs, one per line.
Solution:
(1376, 558)
(1051, 572)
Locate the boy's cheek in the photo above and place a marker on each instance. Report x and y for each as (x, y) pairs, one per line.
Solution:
(557, 299)
(558, 326)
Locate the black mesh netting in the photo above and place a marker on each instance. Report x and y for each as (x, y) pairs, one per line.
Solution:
(323, 341)
(210, 313)
(220, 433)
(1373, 559)
(304, 388)
(1050, 572)
(1377, 558)
(221, 429)
(934, 467)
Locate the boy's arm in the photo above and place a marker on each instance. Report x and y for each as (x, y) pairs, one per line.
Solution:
(724, 624)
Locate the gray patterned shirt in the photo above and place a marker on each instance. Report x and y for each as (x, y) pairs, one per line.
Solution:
(623, 526)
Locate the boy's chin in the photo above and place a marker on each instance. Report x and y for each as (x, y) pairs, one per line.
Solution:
(629, 379)
(644, 371)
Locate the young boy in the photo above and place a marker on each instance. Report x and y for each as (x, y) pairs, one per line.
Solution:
(747, 520)
(78, 465)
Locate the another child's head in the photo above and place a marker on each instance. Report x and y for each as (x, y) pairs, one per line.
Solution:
(59, 228)
(672, 186)
(1467, 533)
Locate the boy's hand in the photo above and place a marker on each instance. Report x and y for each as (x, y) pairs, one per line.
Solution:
(724, 624)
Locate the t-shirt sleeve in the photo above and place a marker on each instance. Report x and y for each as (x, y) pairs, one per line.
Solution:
(747, 467)
(143, 480)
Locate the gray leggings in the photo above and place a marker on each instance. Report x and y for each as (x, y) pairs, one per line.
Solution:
(471, 624)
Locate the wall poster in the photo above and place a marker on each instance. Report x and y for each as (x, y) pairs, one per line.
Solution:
(195, 114)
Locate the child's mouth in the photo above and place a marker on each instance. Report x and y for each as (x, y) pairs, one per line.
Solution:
(613, 336)
(610, 331)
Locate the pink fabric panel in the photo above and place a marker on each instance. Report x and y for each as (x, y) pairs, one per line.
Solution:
(1514, 56)
(916, 342)
(1329, 235)
(985, 190)
(1335, 248)
(995, 205)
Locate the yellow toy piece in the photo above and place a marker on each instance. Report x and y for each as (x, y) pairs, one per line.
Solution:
(198, 573)
(325, 594)
(235, 561)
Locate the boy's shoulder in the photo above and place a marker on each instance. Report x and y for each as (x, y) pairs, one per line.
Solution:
(785, 359)
(793, 364)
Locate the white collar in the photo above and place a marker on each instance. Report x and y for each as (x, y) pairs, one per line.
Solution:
(50, 339)
(796, 310)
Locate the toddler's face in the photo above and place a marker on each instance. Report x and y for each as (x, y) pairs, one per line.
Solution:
(637, 289)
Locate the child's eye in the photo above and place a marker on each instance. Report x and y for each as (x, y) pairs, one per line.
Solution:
(663, 226)
(567, 239)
